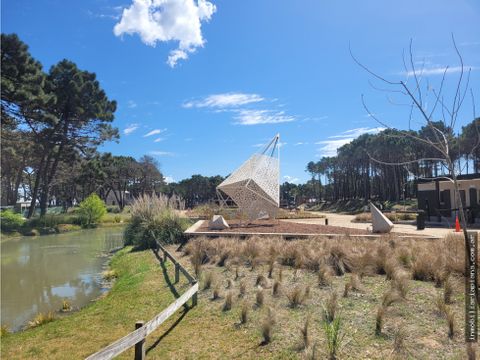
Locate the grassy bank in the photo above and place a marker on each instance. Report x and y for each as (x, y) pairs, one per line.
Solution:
(139, 293)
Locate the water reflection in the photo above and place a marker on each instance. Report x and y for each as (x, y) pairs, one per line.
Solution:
(38, 273)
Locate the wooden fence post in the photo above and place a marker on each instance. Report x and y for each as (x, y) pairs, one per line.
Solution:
(194, 299)
(326, 221)
(177, 273)
(140, 346)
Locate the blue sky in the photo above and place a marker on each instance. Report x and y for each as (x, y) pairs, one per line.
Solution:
(200, 85)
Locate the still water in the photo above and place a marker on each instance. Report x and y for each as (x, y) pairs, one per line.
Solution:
(38, 273)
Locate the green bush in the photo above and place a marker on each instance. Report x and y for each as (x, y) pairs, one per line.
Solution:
(91, 210)
(114, 209)
(11, 221)
(53, 220)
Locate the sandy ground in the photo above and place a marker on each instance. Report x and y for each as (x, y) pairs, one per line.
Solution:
(346, 221)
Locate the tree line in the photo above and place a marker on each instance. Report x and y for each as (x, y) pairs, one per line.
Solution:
(52, 123)
(362, 169)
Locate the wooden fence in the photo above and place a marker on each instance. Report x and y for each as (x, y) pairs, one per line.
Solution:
(137, 338)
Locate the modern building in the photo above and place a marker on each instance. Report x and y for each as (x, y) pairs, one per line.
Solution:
(437, 196)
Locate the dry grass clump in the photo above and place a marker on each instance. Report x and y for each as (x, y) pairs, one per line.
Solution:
(324, 276)
(296, 297)
(339, 260)
(259, 298)
(450, 323)
(276, 288)
(390, 297)
(227, 306)
(400, 343)
(271, 266)
(66, 306)
(242, 289)
(448, 291)
(404, 257)
(199, 254)
(346, 289)
(109, 275)
(229, 284)
(400, 285)
(251, 251)
(330, 307)
(208, 280)
(41, 319)
(423, 267)
(4, 330)
(379, 320)
(261, 281)
(216, 293)
(305, 333)
(244, 313)
(334, 337)
(267, 327)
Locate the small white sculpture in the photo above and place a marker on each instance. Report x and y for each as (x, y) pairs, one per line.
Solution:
(380, 223)
(218, 223)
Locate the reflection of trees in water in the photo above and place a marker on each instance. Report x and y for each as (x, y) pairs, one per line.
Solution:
(57, 266)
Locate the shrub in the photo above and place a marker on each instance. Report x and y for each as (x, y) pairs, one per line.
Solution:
(91, 210)
(154, 219)
(11, 221)
(324, 277)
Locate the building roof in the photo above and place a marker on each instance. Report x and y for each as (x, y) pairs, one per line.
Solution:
(446, 177)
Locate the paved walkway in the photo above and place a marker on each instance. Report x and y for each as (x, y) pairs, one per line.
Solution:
(346, 221)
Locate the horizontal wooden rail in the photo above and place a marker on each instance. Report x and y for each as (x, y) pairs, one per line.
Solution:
(137, 338)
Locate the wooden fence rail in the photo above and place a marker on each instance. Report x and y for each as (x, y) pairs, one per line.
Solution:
(137, 338)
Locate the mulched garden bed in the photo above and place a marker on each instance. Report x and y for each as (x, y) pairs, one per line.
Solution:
(282, 227)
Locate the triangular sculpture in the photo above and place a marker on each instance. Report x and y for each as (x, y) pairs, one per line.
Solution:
(380, 223)
(218, 223)
(254, 187)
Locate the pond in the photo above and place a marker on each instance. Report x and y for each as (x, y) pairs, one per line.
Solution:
(38, 273)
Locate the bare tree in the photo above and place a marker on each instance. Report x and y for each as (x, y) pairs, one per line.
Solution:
(418, 94)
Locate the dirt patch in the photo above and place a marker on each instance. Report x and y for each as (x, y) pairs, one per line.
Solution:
(282, 227)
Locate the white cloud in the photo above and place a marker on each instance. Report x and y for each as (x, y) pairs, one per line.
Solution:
(154, 132)
(131, 104)
(159, 139)
(161, 153)
(329, 147)
(169, 179)
(291, 179)
(255, 117)
(224, 100)
(300, 143)
(167, 20)
(438, 70)
(130, 128)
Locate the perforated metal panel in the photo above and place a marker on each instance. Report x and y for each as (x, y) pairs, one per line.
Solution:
(254, 186)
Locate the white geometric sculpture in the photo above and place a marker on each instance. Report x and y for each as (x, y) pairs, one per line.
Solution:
(254, 186)
(218, 223)
(380, 223)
